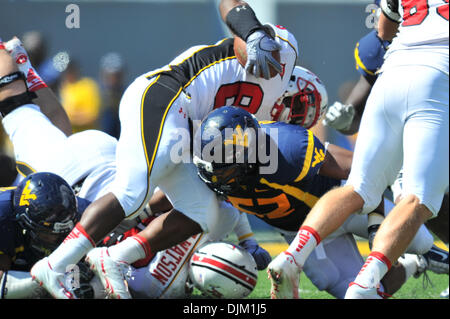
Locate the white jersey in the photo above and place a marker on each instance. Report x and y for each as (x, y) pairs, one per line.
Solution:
(212, 77)
(423, 36)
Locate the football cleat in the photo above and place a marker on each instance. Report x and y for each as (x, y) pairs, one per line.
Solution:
(111, 273)
(437, 260)
(52, 281)
(356, 291)
(284, 275)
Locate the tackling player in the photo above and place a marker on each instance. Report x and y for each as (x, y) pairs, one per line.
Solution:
(416, 135)
(229, 162)
(155, 113)
(97, 150)
(35, 217)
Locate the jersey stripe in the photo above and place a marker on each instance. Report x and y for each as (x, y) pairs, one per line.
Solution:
(360, 63)
(24, 169)
(308, 157)
(305, 197)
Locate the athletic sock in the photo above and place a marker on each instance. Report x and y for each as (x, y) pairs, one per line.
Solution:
(130, 250)
(304, 243)
(73, 248)
(375, 267)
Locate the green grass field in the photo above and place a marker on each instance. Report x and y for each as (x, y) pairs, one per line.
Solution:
(412, 289)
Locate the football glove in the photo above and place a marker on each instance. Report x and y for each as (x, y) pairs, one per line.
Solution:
(339, 116)
(20, 56)
(259, 54)
(261, 256)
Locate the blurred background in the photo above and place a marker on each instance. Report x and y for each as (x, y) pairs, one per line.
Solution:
(89, 51)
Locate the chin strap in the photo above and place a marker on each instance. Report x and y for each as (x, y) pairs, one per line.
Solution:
(13, 102)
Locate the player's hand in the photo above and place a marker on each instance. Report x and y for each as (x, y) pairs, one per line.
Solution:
(339, 116)
(20, 57)
(261, 256)
(259, 55)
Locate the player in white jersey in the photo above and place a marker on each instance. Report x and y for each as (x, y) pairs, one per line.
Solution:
(154, 149)
(87, 159)
(408, 110)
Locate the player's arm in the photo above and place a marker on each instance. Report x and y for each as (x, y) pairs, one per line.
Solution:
(242, 21)
(18, 285)
(337, 162)
(248, 241)
(11, 85)
(45, 98)
(15, 284)
(357, 98)
(389, 19)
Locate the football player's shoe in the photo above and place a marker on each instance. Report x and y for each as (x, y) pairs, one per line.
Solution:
(111, 273)
(52, 281)
(356, 291)
(284, 275)
(436, 260)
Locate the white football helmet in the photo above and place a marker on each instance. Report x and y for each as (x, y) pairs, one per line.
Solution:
(304, 101)
(223, 270)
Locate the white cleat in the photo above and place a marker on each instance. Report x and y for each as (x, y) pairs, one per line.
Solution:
(52, 281)
(356, 291)
(110, 272)
(284, 275)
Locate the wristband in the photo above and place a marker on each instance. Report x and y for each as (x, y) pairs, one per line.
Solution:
(7, 79)
(242, 21)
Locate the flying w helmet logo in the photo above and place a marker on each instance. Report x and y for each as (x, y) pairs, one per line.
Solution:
(238, 138)
(26, 196)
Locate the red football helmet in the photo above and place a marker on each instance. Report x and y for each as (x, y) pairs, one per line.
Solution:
(304, 101)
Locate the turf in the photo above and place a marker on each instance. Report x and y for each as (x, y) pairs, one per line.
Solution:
(412, 289)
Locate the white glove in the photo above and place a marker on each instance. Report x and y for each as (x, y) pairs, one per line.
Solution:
(259, 54)
(339, 116)
(20, 56)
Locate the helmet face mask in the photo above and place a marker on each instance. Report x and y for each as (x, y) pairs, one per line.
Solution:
(227, 179)
(304, 101)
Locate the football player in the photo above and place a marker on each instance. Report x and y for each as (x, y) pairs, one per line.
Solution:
(230, 163)
(97, 165)
(155, 114)
(35, 216)
(346, 117)
(409, 106)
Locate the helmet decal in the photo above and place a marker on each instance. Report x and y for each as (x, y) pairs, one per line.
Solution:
(26, 195)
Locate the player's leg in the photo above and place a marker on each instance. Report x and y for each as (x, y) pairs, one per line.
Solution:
(167, 274)
(425, 170)
(130, 188)
(376, 159)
